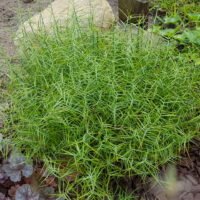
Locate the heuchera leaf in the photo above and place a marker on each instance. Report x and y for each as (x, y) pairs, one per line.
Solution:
(13, 174)
(27, 170)
(3, 197)
(25, 192)
(16, 160)
(3, 176)
(16, 167)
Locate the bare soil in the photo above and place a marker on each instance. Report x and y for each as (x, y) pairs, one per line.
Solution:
(12, 12)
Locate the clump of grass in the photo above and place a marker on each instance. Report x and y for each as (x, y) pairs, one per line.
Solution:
(99, 106)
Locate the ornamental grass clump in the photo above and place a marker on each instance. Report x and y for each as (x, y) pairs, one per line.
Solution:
(98, 106)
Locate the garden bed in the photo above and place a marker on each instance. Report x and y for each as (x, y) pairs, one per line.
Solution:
(97, 107)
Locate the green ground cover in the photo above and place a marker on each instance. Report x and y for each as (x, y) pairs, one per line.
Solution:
(100, 106)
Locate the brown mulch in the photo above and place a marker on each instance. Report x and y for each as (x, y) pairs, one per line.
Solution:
(182, 183)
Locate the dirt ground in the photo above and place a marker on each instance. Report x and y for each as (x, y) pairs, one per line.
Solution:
(12, 12)
(187, 184)
(183, 182)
